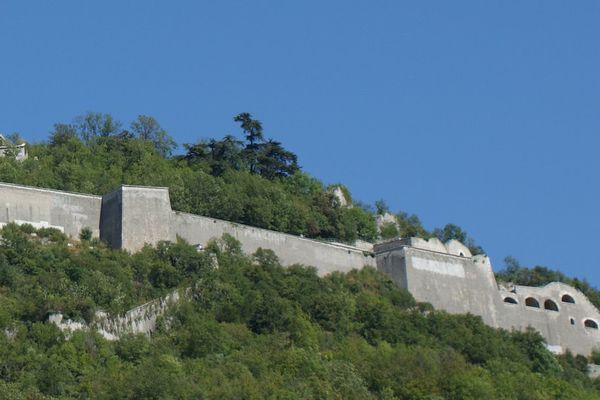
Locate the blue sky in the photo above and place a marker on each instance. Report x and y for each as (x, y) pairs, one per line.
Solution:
(484, 114)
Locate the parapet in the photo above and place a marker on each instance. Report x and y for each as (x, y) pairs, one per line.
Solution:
(452, 247)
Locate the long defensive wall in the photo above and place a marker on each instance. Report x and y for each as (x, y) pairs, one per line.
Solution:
(132, 216)
(445, 275)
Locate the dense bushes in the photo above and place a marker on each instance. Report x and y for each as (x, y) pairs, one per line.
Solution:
(255, 181)
(251, 329)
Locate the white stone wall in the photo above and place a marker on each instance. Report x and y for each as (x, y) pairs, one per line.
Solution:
(464, 284)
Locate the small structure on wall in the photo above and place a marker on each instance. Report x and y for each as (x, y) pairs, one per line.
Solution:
(10, 149)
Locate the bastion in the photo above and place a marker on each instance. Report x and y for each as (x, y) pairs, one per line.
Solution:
(446, 275)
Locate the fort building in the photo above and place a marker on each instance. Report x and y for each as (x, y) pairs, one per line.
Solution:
(446, 275)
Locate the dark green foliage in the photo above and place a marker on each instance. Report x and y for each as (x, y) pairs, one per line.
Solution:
(410, 226)
(455, 232)
(250, 329)
(255, 182)
(388, 230)
(85, 234)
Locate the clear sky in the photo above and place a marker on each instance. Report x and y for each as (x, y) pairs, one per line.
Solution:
(481, 113)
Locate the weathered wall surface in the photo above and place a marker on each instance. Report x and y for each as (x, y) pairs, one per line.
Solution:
(452, 283)
(139, 320)
(560, 322)
(68, 212)
(445, 275)
(147, 217)
(437, 274)
(327, 257)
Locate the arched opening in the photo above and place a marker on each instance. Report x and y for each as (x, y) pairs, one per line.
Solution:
(531, 302)
(567, 299)
(461, 254)
(550, 305)
(589, 323)
(510, 300)
(572, 320)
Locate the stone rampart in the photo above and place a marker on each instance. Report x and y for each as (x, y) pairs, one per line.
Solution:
(67, 212)
(461, 284)
(147, 217)
(443, 274)
(449, 282)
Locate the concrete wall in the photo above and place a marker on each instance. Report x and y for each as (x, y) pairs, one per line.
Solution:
(146, 213)
(326, 257)
(456, 284)
(465, 284)
(445, 275)
(562, 329)
(147, 217)
(138, 320)
(68, 212)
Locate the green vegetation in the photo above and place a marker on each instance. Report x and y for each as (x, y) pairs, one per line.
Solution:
(254, 181)
(251, 329)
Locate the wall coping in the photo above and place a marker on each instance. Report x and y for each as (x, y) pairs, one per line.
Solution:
(54, 191)
(330, 244)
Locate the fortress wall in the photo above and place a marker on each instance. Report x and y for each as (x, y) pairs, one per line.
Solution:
(555, 326)
(147, 218)
(68, 212)
(290, 249)
(393, 263)
(455, 284)
(467, 285)
(433, 272)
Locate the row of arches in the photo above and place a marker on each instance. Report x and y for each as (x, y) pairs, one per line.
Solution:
(548, 304)
(552, 306)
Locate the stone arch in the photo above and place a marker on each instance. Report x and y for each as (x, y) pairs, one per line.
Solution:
(532, 302)
(510, 300)
(550, 305)
(567, 298)
(456, 248)
(590, 323)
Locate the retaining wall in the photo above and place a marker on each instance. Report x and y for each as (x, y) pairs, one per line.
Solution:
(466, 284)
(68, 212)
(147, 217)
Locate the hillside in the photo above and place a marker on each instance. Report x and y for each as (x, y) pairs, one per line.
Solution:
(251, 330)
(254, 180)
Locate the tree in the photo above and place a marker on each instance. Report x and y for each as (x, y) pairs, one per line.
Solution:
(147, 128)
(63, 134)
(218, 154)
(452, 231)
(275, 161)
(381, 207)
(93, 125)
(254, 136)
(252, 128)
(449, 232)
